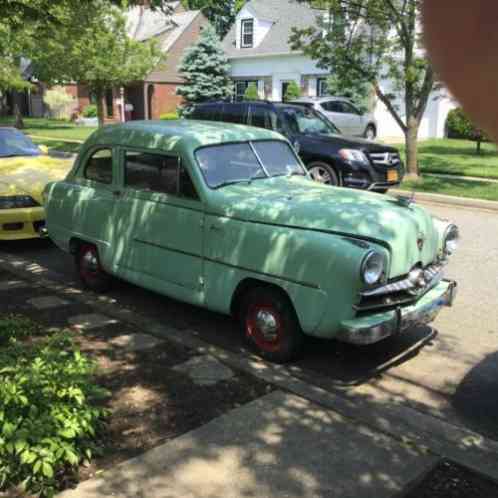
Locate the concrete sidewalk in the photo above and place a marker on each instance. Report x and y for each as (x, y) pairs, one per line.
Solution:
(279, 446)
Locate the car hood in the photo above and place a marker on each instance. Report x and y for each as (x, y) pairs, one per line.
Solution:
(29, 175)
(345, 141)
(302, 204)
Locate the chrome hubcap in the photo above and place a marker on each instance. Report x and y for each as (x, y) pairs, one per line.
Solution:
(267, 324)
(320, 175)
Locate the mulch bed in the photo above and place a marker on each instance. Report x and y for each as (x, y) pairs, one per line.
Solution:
(150, 403)
(450, 480)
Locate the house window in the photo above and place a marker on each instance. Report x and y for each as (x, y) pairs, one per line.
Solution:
(321, 87)
(241, 87)
(247, 33)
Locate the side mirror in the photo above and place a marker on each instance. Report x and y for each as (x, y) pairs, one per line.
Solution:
(44, 149)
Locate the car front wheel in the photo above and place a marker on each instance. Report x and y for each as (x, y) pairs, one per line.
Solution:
(270, 325)
(323, 173)
(89, 269)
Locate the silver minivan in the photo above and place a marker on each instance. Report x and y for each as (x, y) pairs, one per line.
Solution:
(344, 114)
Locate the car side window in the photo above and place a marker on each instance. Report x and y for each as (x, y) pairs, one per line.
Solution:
(348, 108)
(235, 113)
(260, 117)
(333, 106)
(98, 167)
(157, 173)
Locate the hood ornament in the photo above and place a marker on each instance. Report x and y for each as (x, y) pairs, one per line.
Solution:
(405, 201)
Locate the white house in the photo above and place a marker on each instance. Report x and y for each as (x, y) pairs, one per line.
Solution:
(258, 49)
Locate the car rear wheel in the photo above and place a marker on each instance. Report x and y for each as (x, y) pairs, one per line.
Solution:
(370, 133)
(270, 325)
(89, 269)
(323, 173)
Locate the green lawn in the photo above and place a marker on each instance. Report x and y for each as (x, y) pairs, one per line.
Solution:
(457, 157)
(455, 187)
(51, 128)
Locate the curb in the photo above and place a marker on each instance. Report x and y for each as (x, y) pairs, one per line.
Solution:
(449, 200)
(424, 433)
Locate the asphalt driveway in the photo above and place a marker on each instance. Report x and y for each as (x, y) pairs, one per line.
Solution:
(450, 370)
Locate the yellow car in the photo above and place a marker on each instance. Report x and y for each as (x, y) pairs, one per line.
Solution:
(24, 172)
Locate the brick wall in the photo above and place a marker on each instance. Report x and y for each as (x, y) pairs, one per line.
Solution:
(164, 99)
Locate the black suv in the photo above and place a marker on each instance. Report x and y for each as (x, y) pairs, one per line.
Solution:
(330, 157)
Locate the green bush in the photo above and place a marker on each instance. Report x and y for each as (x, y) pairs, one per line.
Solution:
(251, 92)
(48, 413)
(90, 111)
(15, 327)
(293, 91)
(458, 125)
(169, 116)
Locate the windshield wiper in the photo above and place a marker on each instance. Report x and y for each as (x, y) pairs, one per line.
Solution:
(232, 182)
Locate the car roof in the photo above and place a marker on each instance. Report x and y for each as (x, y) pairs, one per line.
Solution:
(177, 134)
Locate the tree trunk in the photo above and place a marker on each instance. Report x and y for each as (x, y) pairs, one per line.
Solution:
(100, 107)
(411, 136)
(17, 113)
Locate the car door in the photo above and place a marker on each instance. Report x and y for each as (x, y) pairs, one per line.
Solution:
(354, 119)
(161, 224)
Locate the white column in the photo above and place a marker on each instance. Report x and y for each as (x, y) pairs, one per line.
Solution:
(312, 87)
(261, 89)
(122, 100)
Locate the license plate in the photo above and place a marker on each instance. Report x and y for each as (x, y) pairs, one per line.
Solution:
(392, 175)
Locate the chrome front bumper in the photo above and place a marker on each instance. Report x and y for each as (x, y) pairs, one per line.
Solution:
(376, 327)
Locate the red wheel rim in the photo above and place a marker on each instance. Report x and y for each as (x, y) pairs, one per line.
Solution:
(89, 264)
(264, 327)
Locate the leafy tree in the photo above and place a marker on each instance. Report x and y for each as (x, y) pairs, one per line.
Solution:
(372, 40)
(356, 90)
(293, 91)
(101, 56)
(205, 69)
(251, 92)
(221, 14)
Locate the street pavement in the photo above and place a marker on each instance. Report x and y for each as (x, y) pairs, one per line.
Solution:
(449, 371)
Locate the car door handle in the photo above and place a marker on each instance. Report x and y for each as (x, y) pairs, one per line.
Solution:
(216, 228)
(116, 193)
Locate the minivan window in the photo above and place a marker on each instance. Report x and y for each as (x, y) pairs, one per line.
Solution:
(209, 112)
(157, 173)
(227, 164)
(98, 167)
(305, 121)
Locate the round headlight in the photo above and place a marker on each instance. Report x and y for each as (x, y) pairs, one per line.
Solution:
(451, 240)
(372, 268)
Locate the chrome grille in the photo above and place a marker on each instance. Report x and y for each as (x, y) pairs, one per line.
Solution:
(386, 159)
(418, 281)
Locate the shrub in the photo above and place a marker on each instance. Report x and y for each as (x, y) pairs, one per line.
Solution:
(59, 102)
(458, 125)
(251, 92)
(90, 111)
(48, 412)
(169, 116)
(15, 327)
(293, 91)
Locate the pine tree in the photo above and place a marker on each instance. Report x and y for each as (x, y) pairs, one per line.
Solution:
(205, 69)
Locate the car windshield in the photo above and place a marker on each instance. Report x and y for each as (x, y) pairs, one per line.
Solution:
(305, 121)
(226, 164)
(15, 143)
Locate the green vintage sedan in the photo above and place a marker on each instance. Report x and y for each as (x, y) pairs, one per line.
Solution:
(226, 217)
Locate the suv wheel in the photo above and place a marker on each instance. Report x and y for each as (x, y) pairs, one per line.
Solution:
(323, 173)
(370, 133)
